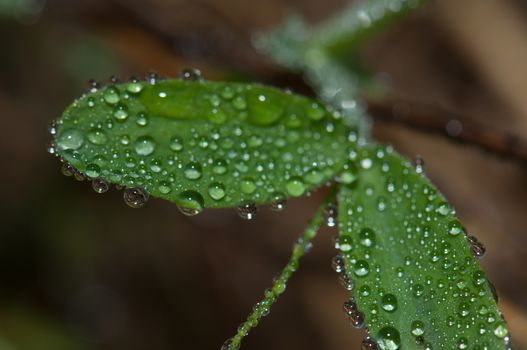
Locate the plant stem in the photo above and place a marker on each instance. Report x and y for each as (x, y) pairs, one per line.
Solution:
(302, 246)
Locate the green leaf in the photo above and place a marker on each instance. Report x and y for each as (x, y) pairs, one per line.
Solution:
(415, 279)
(204, 144)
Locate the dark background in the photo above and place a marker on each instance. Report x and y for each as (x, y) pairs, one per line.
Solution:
(82, 271)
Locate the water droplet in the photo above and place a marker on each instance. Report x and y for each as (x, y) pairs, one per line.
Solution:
(366, 163)
(369, 344)
(135, 197)
(364, 290)
(176, 144)
(190, 74)
(389, 302)
(500, 330)
(314, 176)
(278, 202)
(263, 110)
(479, 278)
(97, 137)
(338, 264)
(367, 237)
(443, 209)
(134, 86)
(125, 140)
(239, 103)
(464, 309)
(361, 268)
(193, 171)
(216, 191)
(111, 96)
(145, 146)
(419, 164)
(219, 167)
(476, 247)
(345, 243)
(67, 170)
(330, 215)
(349, 175)
(247, 211)
(462, 343)
(142, 119)
(346, 282)
(418, 328)
(164, 187)
(389, 338)
(120, 113)
(247, 185)
(93, 170)
(418, 290)
(70, 139)
(455, 228)
(315, 111)
(190, 203)
(100, 186)
(295, 187)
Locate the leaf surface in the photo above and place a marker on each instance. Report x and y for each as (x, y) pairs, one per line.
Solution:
(204, 144)
(416, 281)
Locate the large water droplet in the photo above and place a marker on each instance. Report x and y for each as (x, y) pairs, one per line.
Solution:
(263, 110)
(367, 237)
(190, 203)
(361, 268)
(190, 74)
(93, 170)
(100, 186)
(295, 187)
(278, 202)
(145, 146)
(135, 197)
(193, 171)
(389, 338)
(70, 139)
(418, 328)
(369, 344)
(247, 185)
(216, 191)
(315, 111)
(247, 211)
(389, 302)
(97, 137)
(219, 167)
(455, 228)
(111, 96)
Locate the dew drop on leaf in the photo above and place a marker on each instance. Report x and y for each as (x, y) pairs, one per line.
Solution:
(144, 146)
(247, 211)
(135, 197)
(190, 203)
(70, 139)
(389, 338)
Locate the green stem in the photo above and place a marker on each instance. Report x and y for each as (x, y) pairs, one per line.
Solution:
(301, 246)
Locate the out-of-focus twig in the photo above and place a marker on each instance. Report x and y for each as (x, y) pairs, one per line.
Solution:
(431, 119)
(455, 127)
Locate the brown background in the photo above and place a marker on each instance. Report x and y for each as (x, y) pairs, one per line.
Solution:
(83, 271)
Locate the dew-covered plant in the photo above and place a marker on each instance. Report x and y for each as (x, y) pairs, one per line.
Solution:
(409, 265)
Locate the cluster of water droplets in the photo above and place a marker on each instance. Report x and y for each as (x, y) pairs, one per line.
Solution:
(437, 269)
(109, 133)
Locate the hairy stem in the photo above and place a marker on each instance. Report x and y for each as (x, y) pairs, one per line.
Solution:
(262, 308)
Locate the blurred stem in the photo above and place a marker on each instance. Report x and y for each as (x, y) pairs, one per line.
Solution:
(359, 22)
(302, 245)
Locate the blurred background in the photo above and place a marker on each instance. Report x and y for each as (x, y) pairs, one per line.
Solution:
(78, 271)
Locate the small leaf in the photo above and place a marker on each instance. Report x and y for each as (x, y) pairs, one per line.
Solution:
(415, 279)
(204, 144)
